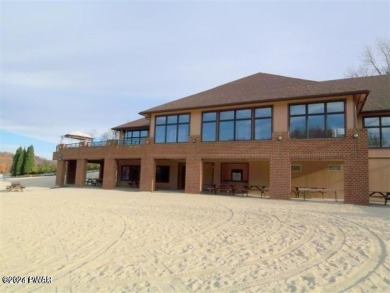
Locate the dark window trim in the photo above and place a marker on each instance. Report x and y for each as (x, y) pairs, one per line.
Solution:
(252, 119)
(133, 139)
(177, 127)
(325, 114)
(380, 127)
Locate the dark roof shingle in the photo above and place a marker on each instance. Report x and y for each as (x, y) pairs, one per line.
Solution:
(142, 123)
(379, 87)
(260, 87)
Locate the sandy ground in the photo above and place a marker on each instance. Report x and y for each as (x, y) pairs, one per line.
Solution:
(93, 240)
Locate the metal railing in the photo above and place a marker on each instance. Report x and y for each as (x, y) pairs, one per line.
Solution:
(103, 143)
(131, 141)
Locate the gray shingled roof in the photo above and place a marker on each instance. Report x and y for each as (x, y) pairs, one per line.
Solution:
(379, 87)
(142, 123)
(260, 87)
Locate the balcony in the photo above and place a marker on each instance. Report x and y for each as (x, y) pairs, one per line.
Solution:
(102, 143)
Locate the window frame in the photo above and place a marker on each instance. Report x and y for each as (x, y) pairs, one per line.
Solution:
(166, 124)
(325, 114)
(252, 120)
(380, 127)
(131, 139)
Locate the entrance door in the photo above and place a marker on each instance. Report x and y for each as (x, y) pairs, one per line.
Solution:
(181, 180)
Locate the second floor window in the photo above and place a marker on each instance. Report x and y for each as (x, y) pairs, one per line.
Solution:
(378, 129)
(135, 136)
(317, 120)
(243, 124)
(172, 128)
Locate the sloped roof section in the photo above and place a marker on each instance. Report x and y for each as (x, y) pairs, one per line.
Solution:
(260, 87)
(142, 123)
(379, 87)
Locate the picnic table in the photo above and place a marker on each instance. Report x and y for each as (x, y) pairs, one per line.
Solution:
(228, 188)
(93, 181)
(384, 194)
(260, 188)
(15, 186)
(303, 190)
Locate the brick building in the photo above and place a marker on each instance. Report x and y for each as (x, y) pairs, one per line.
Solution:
(261, 130)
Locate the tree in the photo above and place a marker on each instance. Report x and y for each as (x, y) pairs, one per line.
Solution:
(373, 61)
(15, 161)
(110, 134)
(29, 161)
(20, 162)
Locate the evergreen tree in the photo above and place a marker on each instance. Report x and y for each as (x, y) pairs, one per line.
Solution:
(15, 161)
(20, 162)
(29, 161)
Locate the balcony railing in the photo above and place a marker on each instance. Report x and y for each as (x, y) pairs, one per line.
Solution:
(131, 141)
(103, 143)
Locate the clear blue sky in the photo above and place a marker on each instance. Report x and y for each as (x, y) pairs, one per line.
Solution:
(92, 65)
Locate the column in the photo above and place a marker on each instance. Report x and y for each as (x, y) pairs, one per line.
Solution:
(148, 174)
(280, 178)
(60, 175)
(194, 170)
(109, 173)
(81, 172)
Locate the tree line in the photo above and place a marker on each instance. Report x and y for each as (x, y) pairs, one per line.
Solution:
(24, 163)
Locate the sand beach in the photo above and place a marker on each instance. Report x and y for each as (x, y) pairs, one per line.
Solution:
(94, 240)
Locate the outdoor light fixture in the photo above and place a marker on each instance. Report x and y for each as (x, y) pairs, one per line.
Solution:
(193, 140)
(280, 137)
(355, 135)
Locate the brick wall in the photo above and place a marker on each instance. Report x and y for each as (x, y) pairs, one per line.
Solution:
(279, 151)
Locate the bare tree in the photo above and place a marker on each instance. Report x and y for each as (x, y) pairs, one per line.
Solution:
(373, 61)
(110, 134)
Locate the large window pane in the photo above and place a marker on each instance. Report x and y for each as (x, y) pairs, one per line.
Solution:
(185, 118)
(263, 129)
(183, 133)
(209, 131)
(386, 137)
(243, 130)
(226, 115)
(316, 108)
(171, 133)
(160, 120)
(385, 121)
(298, 127)
(316, 126)
(372, 121)
(263, 112)
(212, 116)
(333, 107)
(335, 125)
(144, 133)
(172, 119)
(374, 137)
(226, 130)
(160, 134)
(242, 114)
(298, 110)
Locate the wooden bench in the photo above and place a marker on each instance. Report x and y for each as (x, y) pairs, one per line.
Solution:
(15, 186)
(381, 194)
(304, 190)
(240, 189)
